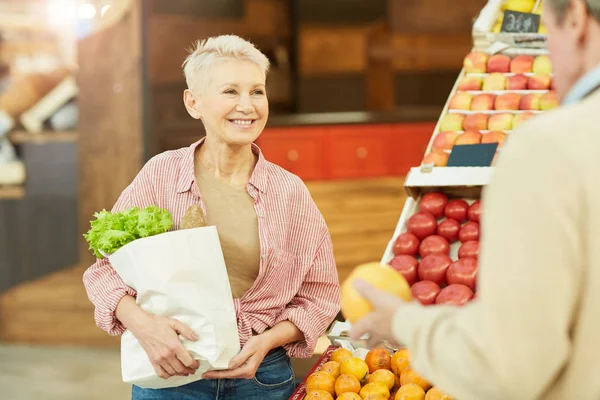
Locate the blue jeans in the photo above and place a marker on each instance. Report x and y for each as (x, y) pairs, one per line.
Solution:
(274, 380)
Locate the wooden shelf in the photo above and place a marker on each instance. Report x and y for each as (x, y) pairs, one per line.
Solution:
(21, 137)
(12, 192)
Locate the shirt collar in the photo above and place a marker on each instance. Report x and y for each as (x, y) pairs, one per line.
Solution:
(584, 86)
(187, 178)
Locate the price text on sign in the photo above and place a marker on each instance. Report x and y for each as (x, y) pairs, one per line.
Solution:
(518, 22)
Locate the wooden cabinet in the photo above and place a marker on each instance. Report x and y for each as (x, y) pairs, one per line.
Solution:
(408, 145)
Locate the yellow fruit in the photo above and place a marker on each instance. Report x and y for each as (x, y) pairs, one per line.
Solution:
(318, 395)
(410, 391)
(383, 277)
(340, 355)
(410, 376)
(374, 389)
(378, 359)
(320, 381)
(400, 361)
(436, 394)
(520, 5)
(349, 396)
(347, 384)
(384, 376)
(355, 367)
(332, 368)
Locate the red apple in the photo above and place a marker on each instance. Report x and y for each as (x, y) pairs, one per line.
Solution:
(444, 140)
(521, 118)
(530, 101)
(470, 83)
(433, 268)
(549, 100)
(494, 137)
(434, 244)
(422, 224)
(483, 102)
(475, 62)
(474, 212)
(476, 122)
(469, 249)
(434, 202)
(456, 294)
(498, 63)
(448, 229)
(406, 243)
(507, 101)
(500, 122)
(461, 101)
(436, 157)
(517, 82)
(456, 209)
(469, 137)
(463, 271)
(521, 64)
(539, 82)
(469, 232)
(407, 266)
(452, 122)
(425, 292)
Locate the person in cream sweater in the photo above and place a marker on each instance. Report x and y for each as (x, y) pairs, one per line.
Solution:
(534, 330)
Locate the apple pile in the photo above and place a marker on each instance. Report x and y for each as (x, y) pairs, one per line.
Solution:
(422, 254)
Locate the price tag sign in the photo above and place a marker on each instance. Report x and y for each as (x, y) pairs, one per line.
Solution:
(472, 155)
(518, 22)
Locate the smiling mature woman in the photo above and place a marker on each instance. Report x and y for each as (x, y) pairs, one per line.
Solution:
(275, 241)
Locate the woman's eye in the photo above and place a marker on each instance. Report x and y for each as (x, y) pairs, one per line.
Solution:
(259, 92)
(230, 91)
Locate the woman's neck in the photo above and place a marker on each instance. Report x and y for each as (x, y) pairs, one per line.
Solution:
(232, 165)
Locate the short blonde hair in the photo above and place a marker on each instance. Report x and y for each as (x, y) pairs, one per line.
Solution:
(206, 52)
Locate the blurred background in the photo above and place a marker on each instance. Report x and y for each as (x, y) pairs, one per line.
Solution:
(90, 90)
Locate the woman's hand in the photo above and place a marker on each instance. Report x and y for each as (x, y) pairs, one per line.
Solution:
(246, 363)
(159, 338)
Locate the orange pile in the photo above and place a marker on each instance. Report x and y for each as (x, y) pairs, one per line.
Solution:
(380, 376)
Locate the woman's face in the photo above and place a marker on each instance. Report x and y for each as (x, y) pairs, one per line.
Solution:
(232, 102)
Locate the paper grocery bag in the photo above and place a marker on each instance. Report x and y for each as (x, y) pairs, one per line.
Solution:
(182, 275)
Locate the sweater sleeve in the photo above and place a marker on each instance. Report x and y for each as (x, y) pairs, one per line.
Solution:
(513, 340)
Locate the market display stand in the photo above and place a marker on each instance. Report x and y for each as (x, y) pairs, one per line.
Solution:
(465, 182)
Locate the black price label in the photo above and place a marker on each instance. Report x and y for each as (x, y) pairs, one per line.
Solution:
(518, 22)
(472, 155)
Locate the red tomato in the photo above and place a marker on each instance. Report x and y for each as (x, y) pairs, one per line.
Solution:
(474, 212)
(457, 209)
(406, 243)
(425, 292)
(434, 203)
(469, 249)
(407, 266)
(456, 294)
(433, 268)
(434, 245)
(422, 224)
(448, 229)
(463, 271)
(469, 232)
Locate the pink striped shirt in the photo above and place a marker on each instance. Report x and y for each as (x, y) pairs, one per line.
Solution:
(297, 279)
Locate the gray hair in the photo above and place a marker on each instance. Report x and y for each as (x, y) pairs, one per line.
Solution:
(206, 52)
(561, 6)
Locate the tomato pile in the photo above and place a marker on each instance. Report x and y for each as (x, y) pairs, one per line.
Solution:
(422, 253)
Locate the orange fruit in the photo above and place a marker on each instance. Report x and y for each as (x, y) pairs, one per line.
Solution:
(332, 368)
(349, 396)
(436, 394)
(378, 359)
(384, 376)
(347, 383)
(410, 376)
(340, 355)
(320, 381)
(374, 389)
(383, 277)
(410, 391)
(355, 366)
(400, 361)
(318, 395)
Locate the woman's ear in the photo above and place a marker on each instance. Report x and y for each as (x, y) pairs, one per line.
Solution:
(191, 103)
